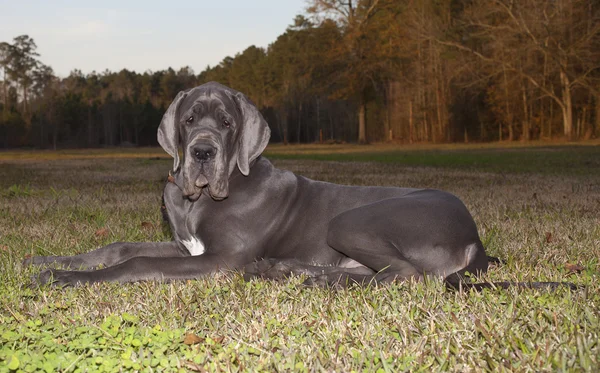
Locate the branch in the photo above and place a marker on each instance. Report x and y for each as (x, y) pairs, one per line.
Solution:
(370, 11)
(520, 22)
(505, 65)
(583, 83)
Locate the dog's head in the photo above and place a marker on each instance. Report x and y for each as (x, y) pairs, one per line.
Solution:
(218, 129)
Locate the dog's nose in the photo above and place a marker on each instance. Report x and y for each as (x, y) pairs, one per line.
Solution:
(204, 152)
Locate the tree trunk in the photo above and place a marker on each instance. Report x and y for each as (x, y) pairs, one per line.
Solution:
(439, 135)
(597, 126)
(90, 136)
(550, 119)
(284, 121)
(278, 121)
(120, 123)
(24, 99)
(307, 130)
(397, 125)
(588, 124)
(508, 113)
(567, 107)
(525, 134)
(426, 127)
(318, 102)
(299, 124)
(362, 125)
(54, 136)
(136, 131)
(411, 124)
(331, 134)
(542, 119)
(388, 113)
(499, 130)
(543, 114)
(5, 89)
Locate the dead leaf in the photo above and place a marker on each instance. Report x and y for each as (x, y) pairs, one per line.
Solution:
(548, 237)
(219, 339)
(574, 268)
(101, 232)
(3, 247)
(147, 225)
(193, 366)
(171, 179)
(191, 339)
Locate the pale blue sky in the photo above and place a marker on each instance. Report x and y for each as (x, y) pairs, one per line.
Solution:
(144, 35)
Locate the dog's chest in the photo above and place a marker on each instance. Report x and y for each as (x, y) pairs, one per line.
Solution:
(183, 222)
(194, 245)
(190, 237)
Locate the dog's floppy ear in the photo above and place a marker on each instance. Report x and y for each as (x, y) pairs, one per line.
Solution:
(254, 136)
(168, 131)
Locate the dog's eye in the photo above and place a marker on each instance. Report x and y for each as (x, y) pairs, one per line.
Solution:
(226, 123)
(190, 120)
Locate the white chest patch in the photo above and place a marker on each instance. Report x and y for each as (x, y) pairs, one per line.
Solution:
(194, 246)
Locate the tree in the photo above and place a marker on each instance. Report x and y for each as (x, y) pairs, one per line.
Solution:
(427, 70)
(247, 74)
(45, 95)
(359, 52)
(551, 46)
(21, 56)
(4, 61)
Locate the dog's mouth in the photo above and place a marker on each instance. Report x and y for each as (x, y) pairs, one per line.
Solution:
(193, 190)
(207, 190)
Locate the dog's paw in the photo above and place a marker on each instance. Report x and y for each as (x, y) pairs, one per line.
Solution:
(270, 269)
(325, 281)
(37, 260)
(60, 278)
(260, 266)
(258, 269)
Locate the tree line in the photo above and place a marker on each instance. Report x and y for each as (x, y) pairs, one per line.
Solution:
(348, 70)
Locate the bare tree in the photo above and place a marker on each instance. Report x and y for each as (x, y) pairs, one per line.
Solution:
(551, 45)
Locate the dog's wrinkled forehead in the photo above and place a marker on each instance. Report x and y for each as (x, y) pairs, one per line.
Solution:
(212, 95)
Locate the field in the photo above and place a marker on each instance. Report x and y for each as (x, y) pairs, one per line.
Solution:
(538, 208)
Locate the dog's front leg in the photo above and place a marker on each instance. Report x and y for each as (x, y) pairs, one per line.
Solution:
(144, 269)
(110, 255)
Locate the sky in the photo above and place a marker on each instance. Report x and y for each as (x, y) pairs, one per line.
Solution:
(144, 35)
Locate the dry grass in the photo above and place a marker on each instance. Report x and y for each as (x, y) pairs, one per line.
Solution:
(68, 203)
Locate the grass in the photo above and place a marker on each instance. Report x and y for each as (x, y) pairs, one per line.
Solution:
(537, 208)
(553, 159)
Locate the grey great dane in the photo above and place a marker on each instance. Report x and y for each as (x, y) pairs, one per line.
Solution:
(230, 209)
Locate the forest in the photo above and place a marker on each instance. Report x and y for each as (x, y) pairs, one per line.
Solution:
(361, 71)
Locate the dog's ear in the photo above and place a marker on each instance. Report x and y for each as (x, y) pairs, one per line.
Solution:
(168, 131)
(254, 136)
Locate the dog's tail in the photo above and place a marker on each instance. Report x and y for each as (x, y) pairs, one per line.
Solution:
(459, 281)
